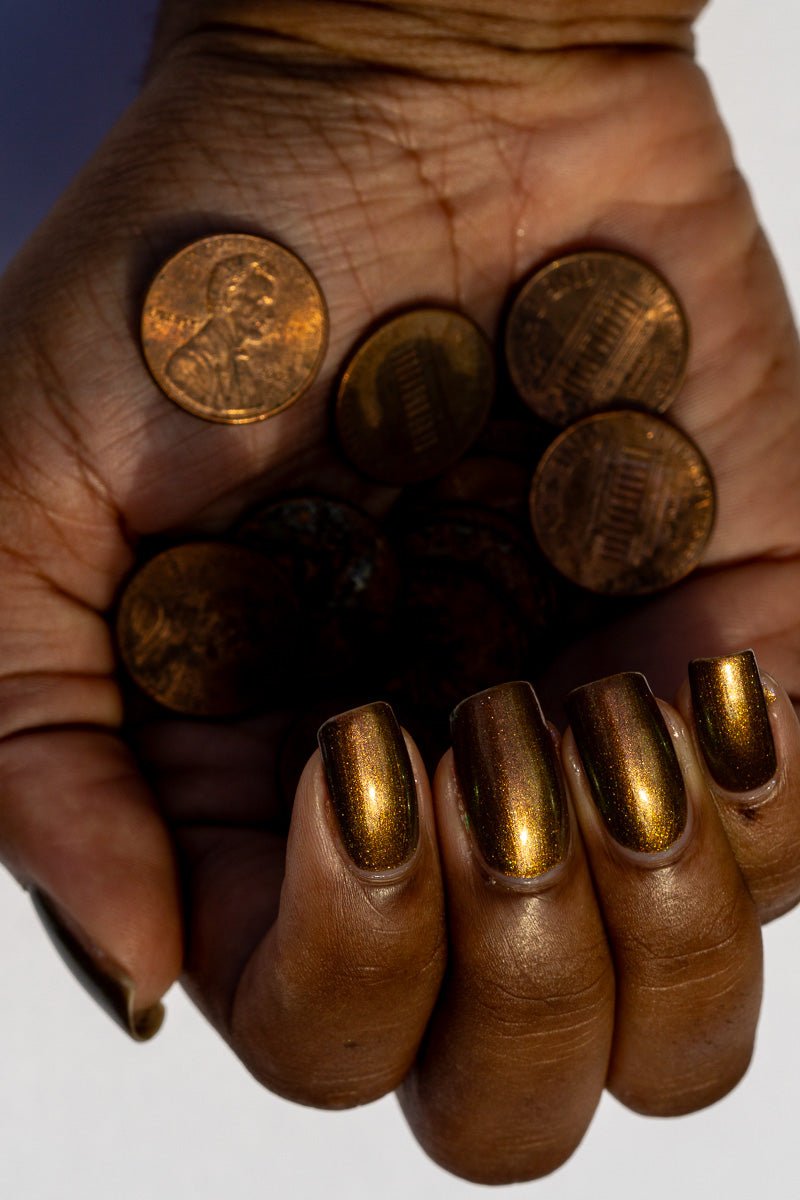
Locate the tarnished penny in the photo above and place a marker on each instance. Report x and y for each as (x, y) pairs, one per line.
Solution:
(334, 555)
(342, 572)
(489, 481)
(593, 330)
(459, 633)
(201, 629)
(623, 503)
(415, 395)
(234, 328)
(491, 546)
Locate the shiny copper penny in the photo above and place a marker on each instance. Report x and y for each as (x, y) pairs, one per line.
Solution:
(202, 629)
(593, 330)
(234, 328)
(623, 503)
(415, 395)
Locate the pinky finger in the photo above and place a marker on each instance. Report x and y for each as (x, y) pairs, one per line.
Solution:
(748, 740)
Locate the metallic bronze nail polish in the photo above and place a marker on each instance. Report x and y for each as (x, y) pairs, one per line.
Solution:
(510, 780)
(371, 786)
(107, 984)
(630, 762)
(732, 722)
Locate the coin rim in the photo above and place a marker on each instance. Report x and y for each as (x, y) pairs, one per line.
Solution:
(614, 415)
(123, 663)
(529, 280)
(357, 354)
(216, 417)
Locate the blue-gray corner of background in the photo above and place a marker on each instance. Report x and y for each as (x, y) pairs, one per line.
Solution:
(67, 69)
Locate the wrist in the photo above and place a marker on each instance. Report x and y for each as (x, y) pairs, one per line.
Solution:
(457, 39)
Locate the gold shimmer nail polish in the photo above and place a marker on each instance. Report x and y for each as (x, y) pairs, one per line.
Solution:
(630, 762)
(371, 786)
(510, 780)
(732, 722)
(108, 984)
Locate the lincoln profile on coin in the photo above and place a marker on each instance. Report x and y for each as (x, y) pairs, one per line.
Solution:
(219, 366)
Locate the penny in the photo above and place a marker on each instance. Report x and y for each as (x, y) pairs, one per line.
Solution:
(334, 555)
(234, 328)
(493, 547)
(202, 629)
(458, 634)
(342, 572)
(488, 481)
(595, 330)
(415, 396)
(623, 503)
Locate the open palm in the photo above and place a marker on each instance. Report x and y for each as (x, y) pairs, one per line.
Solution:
(396, 189)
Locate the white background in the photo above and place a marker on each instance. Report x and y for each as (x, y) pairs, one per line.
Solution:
(83, 1112)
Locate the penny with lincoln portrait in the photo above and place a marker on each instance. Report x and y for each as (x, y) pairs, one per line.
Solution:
(195, 629)
(234, 328)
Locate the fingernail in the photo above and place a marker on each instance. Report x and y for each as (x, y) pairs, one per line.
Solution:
(630, 762)
(371, 786)
(104, 980)
(732, 722)
(508, 773)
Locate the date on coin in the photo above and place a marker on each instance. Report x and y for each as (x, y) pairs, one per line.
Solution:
(594, 330)
(623, 503)
(415, 396)
(234, 328)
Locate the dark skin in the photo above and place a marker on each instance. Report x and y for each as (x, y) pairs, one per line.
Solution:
(386, 146)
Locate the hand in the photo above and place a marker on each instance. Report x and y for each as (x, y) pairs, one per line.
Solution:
(94, 452)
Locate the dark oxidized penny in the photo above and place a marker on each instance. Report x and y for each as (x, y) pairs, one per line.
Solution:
(492, 547)
(202, 629)
(623, 503)
(234, 328)
(415, 395)
(458, 634)
(487, 481)
(593, 330)
(334, 555)
(522, 441)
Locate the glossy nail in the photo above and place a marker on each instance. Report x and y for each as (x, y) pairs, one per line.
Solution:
(510, 780)
(732, 722)
(371, 785)
(105, 981)
(630, 762)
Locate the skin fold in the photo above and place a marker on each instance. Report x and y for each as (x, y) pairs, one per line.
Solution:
(407, 153)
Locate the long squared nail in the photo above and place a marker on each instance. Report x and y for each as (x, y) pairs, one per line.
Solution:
(104, 980)
(732, 721)
(630, 762)
(371, 785)
(509, 777)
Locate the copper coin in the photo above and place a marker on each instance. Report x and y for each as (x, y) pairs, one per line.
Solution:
(415, 395)
(485, 480)
(342, 572)
(234, 328)
(593, 330)
(458, 634)
(623, 503)
(492, 547)
(335, 555)
(201, 629)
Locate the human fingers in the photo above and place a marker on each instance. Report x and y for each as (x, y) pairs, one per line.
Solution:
(683, 929)
(325, 994)
(515, 1058)
(79, 829)
(747, 739)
